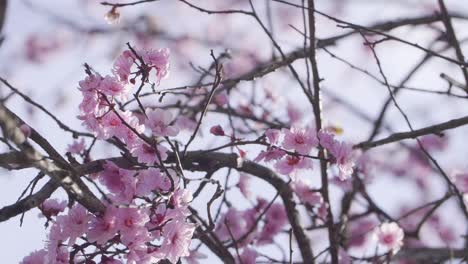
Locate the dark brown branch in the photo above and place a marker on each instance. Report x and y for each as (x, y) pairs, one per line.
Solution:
(435, 129)
(452, 38)
(28, 202)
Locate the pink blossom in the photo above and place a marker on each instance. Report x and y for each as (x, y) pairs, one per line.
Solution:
(248, 256)
(119, 181)
(272, 135)
(275, 219)
(54, 239)
(181, 198)
(326, 139)
(103, 228)
(291, 163)
(159, 121)
(344, 158)
(177, 237)
(433, 142)
(358, 231)
(270, 154)
(111, 125)
(294, 114)
(131, 223)
(111, 86)
(305, 193)
(129, 219)
(90, 103)
(221, 98)
(390, 235)
(151, 180)
(217, 130)
(147, 154)
(243, 185)
(236, 223)
(460, 179)
(122, 65)
(158, 60)
(300, 140)
(52, 207)
(38, 46)
(183, 122)
(75, 223)
(90, 83)
(322, 211)
(136, 239)
(76, 147)
(36, 257)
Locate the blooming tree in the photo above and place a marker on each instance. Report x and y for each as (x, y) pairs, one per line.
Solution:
(252, 157)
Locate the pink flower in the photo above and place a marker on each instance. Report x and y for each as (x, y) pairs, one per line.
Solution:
(158, 60)
(52, 207)
(177, 237)
(159, 121)
(322, 211)
(236, 223)
(76, 147)
(111, 86)
(111, 125)
(90, 103)
(294, 114)
(122, 65)
(185, 123)
(275, 219)
(358, 232)
(291, 163)
(243, 185)
(36, 257)
(272, 153)
(151, 180)
(343, 154)
(300, 140)
(390, 235)
(305, 194)
(131, 223)
(217, 130)
(221, 98)
(129, 219)
(181, 198)
(119, 181)
(136, 239)
(54, 239)
(90, 83)
(460, 179)
(75, 223)
(103, 228)
(326, 139)
(248, 256)
(147, 154)
(272, 135)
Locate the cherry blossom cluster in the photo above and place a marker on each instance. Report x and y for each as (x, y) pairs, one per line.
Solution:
(147, 209)
(251, 229)
(297, 144)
